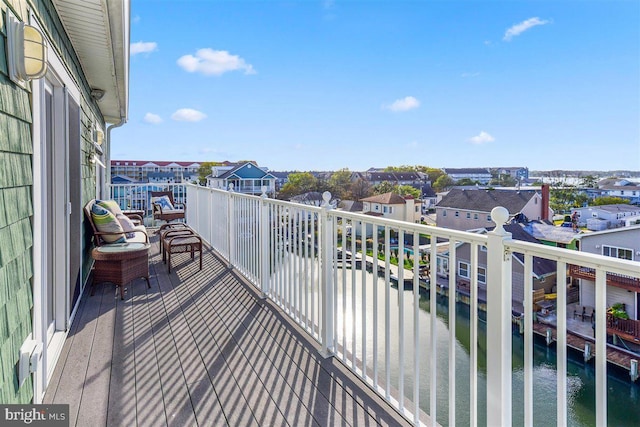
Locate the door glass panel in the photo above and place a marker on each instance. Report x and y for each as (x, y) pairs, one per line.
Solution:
(75, 199)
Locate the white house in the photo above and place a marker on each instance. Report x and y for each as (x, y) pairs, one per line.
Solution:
(607, 216)
(619, 187)
(393, 206)
(246, 178)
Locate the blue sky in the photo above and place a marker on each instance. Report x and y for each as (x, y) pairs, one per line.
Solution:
(322, 85)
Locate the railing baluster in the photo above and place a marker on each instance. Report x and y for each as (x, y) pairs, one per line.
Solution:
(374, 271)
(433, 331)
(353, 295)
(473, 319)
(344, 291)
(499, 323)
(416, 328)
(528, 340)
(561, 346)
(363, 307)
(452, 334)
(387, 315)
(601, 348)
(400, 278)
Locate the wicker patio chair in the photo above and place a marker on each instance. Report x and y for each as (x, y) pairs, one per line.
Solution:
(166, 214)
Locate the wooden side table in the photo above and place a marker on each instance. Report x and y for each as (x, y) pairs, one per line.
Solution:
(120, 263)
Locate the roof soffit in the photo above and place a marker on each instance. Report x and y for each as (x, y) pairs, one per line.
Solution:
(99, 33)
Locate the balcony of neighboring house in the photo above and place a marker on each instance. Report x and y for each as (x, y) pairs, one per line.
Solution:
(309, 315)
(629, 283)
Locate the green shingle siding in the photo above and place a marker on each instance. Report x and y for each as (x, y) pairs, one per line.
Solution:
(16, 234)
(16, 189)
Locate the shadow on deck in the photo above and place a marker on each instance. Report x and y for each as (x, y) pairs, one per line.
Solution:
(200, 348)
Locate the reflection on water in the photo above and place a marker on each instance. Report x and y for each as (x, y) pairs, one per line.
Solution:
(355, 332)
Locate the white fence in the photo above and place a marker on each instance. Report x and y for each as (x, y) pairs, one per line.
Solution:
(333, 272)
(138, 196)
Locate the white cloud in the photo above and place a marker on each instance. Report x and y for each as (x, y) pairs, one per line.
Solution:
(143, 47)
(214, 62)
(523, 26)
(152, 118)
(405, 104)
(188, 115)
(482, 138)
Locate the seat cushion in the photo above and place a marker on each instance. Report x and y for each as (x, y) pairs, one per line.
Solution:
(107, 222)
(110, 205)
(138, 237)
(127, 225)
(172, 211)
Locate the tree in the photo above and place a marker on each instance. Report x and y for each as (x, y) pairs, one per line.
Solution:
(360, 189)
(205, 169)
(609, 200)
(298, 183)
(407, 190)
(563, 199)
(340, 183)
(442, 183)
(466, 181)
(589, 181)
(384, 187)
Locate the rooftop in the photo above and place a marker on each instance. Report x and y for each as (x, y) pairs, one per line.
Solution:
(485, 200)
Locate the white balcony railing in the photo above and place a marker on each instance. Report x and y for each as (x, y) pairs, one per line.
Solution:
(137, 196)
(306, 259)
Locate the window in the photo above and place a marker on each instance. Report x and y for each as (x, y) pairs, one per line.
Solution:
(468, 215)
(483, 248)
(384, 209)
(482, 275)
(615, 252)
(390, 209)
(457, 213)
(444, 212)
(463, 269)
(488, 217)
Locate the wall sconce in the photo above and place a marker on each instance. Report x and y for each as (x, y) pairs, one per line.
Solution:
(26, 51)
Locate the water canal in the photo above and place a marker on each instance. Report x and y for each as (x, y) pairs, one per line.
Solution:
(623, 396)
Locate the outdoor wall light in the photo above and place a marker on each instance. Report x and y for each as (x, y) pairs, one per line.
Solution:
(26, 51)
(99, 137)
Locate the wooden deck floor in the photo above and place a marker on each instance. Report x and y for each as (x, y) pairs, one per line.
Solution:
(200, 348)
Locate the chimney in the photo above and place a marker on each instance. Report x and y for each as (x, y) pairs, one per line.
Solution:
(545, 202)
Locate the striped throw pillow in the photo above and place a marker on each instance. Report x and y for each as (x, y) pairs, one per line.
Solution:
(110, 205)
(105, 221)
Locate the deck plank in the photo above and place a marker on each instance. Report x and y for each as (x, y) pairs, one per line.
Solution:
(93, 407)
(201, 348)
